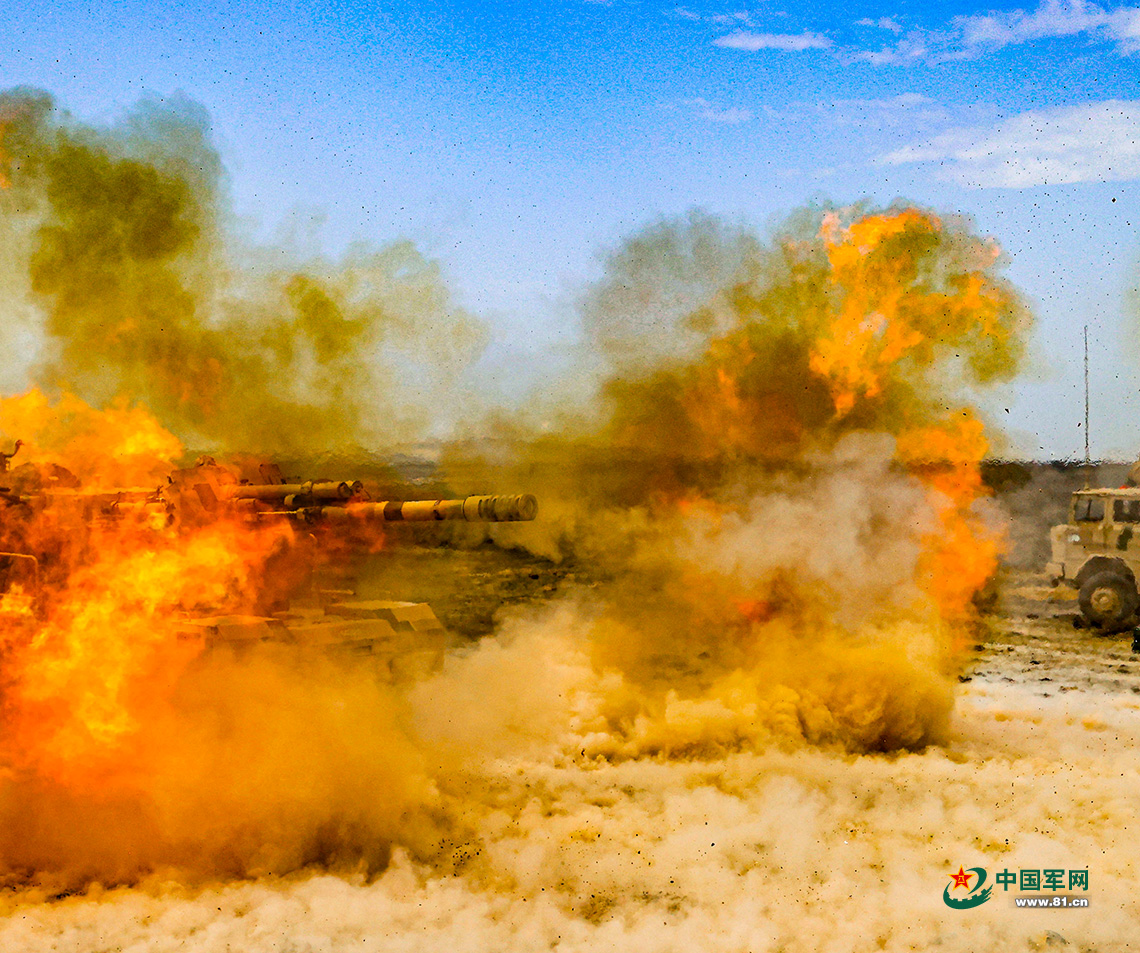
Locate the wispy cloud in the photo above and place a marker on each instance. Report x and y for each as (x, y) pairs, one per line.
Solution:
(732, 19)
(967, 37)
(787, 42)
(962, 38)
(1053, 18)
(729, 116)
(1099, 142)
(912, 110)
(883, 23)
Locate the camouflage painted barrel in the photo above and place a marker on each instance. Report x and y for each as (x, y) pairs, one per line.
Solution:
(473, 509)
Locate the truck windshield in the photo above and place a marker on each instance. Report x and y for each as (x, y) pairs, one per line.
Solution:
(1088, 509)
(1126, 511)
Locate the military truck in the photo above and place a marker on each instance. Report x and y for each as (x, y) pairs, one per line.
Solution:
(1098, 553)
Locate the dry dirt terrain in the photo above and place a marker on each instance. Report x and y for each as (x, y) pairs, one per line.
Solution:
(1036, 640)
(781, 850)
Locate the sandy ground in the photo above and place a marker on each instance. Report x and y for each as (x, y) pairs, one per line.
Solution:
(779, 850)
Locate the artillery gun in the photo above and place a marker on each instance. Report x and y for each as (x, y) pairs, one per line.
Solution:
(203, 492)
(297, 604)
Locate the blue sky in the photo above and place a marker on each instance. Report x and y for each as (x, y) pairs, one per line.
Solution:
(517, 142)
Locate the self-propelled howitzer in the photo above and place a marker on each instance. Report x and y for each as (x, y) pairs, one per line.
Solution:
(302, 598)
(405, 637)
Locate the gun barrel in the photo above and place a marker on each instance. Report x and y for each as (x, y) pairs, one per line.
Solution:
(323, 491)
(474, 509)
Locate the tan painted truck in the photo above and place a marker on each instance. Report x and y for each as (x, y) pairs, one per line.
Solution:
(1098, 553)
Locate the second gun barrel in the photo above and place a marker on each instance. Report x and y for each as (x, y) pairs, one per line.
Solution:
(330, 490)
(474, 509)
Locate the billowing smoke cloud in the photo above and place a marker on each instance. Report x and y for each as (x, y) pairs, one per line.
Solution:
(662, 295)
(775, 493)
(146, 294)
(782, 484)
(125, 745)
(236, 766)
(133, 741)
(852, 320)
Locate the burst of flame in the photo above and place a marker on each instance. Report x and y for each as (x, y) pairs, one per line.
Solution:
(897, 296)
(112, 642)
(963, 554)
(123, 445)
(887, 316)
(715, 402)
(17, 602)
(76, 685)
(885, 313)
(113, 637)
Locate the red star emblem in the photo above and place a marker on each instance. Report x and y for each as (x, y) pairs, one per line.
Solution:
(961, 879)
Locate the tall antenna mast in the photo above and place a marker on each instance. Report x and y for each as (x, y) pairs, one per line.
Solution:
(1086, 395)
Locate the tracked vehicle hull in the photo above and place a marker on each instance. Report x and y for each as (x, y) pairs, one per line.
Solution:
(403, 639)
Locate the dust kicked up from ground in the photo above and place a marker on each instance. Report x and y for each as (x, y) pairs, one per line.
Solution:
(781, 850)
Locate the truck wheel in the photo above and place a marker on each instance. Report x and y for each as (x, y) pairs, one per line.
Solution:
(1109, 601)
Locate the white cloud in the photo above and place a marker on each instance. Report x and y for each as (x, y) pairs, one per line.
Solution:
(789, 42)
(905, 51)
(731, 116)
(883, 23)
(899, 102)
(967, 37)
(729, 19)
(1098, 142)
(1053, 18)
(964, 37)
(910, 109)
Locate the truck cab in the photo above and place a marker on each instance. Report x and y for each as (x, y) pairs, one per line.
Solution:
(1098, 552)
